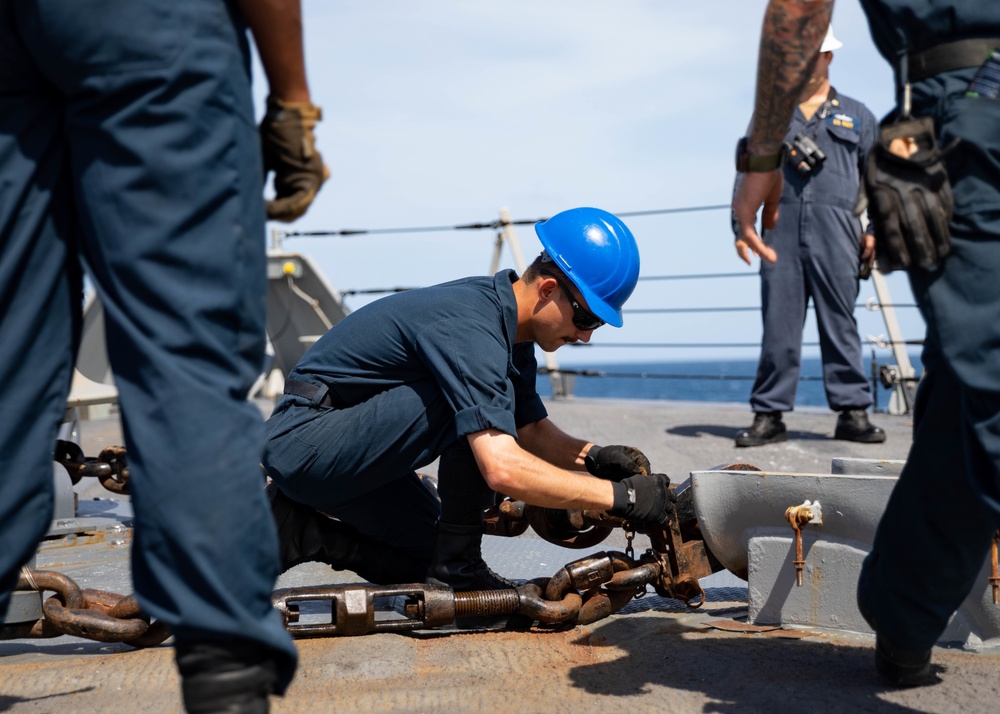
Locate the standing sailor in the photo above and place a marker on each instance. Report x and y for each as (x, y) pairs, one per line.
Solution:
(937, 528)
(821, 245)
(127, 141)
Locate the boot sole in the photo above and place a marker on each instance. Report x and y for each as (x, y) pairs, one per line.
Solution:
(744, 442)
(860, 438)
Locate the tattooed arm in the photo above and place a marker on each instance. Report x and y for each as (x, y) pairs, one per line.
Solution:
(789, 45)
(790, 40)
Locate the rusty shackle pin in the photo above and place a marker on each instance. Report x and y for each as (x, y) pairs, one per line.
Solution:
(995, 570)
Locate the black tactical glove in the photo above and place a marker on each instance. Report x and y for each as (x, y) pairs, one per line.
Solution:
(289, 148)
(613, 463)
(643, 498)
(908, 196)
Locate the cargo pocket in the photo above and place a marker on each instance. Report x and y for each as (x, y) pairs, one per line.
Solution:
(974, 164)
(288, 457)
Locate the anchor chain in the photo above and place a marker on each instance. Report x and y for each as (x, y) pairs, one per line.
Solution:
(582, 592)
(91, 614)
(110, 467)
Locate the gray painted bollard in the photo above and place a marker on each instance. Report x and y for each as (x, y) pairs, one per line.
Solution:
(742, 515)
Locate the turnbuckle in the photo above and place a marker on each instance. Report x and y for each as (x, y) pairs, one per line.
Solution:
(353, 608)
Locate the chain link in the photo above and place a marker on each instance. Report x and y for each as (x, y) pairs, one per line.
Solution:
(110, 467)
(629, 537)
(91, 614)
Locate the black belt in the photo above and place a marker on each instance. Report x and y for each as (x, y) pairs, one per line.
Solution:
(319, 395)
(950, 56)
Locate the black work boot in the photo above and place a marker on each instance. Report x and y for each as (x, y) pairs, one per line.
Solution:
(458, 560)
(902, 668)
(767, 428)
(897, 666)
(458, 563)
(853, 425)
(305, 535)
(225, 677)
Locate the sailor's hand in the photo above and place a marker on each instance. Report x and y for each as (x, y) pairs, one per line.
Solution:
(743, 250)
(644, 499)
(613, 463)
(757, 188)
(289, 149)
(868, 251)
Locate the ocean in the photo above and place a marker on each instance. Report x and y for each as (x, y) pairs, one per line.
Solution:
(696, 381)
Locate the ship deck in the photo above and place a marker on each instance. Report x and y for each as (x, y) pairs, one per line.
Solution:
(654, 655)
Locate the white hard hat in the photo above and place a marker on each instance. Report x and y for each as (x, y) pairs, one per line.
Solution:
(830, 43)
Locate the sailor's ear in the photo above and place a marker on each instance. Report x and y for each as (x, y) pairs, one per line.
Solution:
(546, 286)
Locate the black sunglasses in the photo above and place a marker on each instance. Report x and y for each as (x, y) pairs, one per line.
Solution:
(582, 318)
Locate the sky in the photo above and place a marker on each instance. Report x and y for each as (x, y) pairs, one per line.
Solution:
(442, 112)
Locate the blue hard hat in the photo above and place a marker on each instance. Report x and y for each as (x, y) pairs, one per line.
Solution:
(597, 252)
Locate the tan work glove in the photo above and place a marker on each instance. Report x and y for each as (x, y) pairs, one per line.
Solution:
(289, 148)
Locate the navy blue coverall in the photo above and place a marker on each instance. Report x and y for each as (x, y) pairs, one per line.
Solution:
(818, 239)
(935, 534)
(409, 376)
(127, 140)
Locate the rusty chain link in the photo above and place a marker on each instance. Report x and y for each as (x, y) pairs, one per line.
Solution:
(110, 467)
(91, 614)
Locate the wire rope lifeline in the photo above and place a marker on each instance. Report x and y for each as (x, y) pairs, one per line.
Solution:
(484, 225)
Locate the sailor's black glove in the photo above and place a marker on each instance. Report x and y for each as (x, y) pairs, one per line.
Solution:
(643, 498)
(908, 196)
(613, 463)
(289, 148)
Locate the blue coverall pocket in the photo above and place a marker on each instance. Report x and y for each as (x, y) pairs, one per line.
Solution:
(848, 136)
(844, 159)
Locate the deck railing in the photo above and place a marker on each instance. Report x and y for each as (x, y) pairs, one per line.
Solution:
(879, 326)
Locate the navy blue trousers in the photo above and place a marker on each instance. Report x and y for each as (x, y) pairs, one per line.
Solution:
(936, 531)
(358, 463)
(818, 249)
(127, 141)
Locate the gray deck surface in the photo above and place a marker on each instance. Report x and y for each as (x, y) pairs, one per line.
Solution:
(656, 655)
